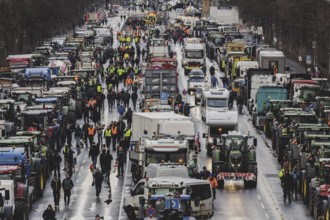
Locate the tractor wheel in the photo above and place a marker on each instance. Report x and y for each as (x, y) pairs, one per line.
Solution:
(135, 174)
(130, 213)
(251, 169)
(32, 182)
(311, 199)
(79, 110)
(21, 210)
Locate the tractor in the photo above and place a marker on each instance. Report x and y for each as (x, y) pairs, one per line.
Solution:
(235, 159)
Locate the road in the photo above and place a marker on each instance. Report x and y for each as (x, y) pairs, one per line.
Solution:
(233, 202)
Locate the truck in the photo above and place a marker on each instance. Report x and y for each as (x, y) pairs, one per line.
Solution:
(145, 125)
(217, 116)
(272, 59)
(194, 55)
(255, 79)
(37, 77)
(7, 189)
(265, 93)
(7, 117)
(17, 170)
(202, 205)
(242, 67)
(158, 150)
(161, 78)
(235, 159)
(21, 61)
(158, 48)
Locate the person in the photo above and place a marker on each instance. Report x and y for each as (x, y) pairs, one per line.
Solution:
(109, 159)
(186, 109)
(214, 81)
(128, 135)
(67, 186)
(56, 187)
(205, 173)
(295, 176)
(57, 160)
(98, 179)
(114, 135)
(129, 115)
(65, 151)
(49, 213)
(78, 135)
(98, 217)
(134, 98)
(214, 184)
(212, 70)
(103, 162)
(121, 161)
(91, 134)
(94, 151)
(287, 184)
(107, 136)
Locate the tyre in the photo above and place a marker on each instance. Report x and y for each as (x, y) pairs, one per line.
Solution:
(251, 169)
(21, 210)
(130, 213)
(79, 110)
(135, 174)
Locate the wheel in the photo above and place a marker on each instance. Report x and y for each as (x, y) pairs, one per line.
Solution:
(130, 213)
(21, 210)
(135, 174)
(79, 109)
(251, 169)
(209, 151)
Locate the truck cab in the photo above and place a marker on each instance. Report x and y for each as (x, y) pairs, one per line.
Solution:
(194, 55)
(199, 190)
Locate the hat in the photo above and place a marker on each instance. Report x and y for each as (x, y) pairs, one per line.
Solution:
(211, 175)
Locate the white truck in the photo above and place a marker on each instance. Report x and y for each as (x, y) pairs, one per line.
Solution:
(158, 151)
(194, 55)
(158, 48)
(7, 189)
(216, 114)
(148, 124)
(150, 193)
(271, 59)
(243, 66)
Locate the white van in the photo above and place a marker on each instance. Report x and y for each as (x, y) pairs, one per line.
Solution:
(200, 192)
(166, 169)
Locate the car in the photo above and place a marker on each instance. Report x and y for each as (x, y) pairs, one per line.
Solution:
(196, 83)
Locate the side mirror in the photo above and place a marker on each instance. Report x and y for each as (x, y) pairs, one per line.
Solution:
(7, 194)
(204, 135)
(255, 142)
(132, 192)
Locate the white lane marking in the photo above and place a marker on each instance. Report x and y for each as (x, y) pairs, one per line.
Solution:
(267, 216)
(258, 196)
(262, 205)
(123, 191)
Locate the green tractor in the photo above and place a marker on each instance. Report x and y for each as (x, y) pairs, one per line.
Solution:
(235, 159)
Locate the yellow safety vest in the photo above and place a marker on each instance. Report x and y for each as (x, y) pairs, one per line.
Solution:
(99, 89)
(284, 131)
(128, 133)
(128, 39)
(110, 86)
(108, 133)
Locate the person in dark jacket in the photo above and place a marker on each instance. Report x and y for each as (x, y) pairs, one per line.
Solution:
(109, 159)
(103, 161)
(205, 173)
(120, 161)
(129, 115)
(94, 152)
(212, 70)
(67, 186)
(98, 179)
(287, 184)
(57, 160)
(56, 187)
(49, 213)
(134, 99)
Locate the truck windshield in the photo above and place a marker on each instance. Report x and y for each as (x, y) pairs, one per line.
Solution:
(217, 103)
(196, 79)
(162, 157)
(309, 94)
(234, 141)
(199, 54)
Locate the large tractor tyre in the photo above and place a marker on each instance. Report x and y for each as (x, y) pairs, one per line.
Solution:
(221, 183)
(130, 213)
(38, 168)
(72, 117)
(135, 174)
(251, 169)
(8, 210)
(21, 210)
(79, 109)
(310, 200)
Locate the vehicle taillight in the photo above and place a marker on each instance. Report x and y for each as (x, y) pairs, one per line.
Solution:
(50, 132)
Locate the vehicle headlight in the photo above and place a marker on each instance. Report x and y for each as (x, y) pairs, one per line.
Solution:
(192, 93)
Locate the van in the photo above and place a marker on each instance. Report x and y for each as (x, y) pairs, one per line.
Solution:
(166, 169)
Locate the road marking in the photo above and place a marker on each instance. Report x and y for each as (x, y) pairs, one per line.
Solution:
(258, 196)
(262, 205)
(123, 191)
(267, 216)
